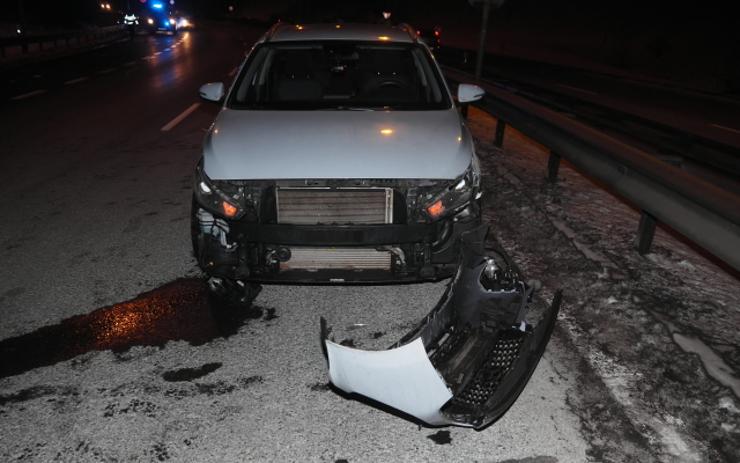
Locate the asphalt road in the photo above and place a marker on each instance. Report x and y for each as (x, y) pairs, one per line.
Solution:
(109, 350)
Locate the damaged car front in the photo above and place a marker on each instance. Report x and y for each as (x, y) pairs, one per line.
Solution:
(339, 157)
(335, 160)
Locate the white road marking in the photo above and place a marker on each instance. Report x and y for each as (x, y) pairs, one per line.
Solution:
(729, 129)
(75, 81)
(158, 53)
(130, 63)
(27, 95)
(171, 124)
(233, 71)
(107, 71)
(577, 89)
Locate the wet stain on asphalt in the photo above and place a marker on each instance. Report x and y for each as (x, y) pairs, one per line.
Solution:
(347, 342)
(441, 437)
(378, 334)
(270, 315)
(35, 393)
(217, 388)
(180, 310)
(249, 380)
(13, 292)
(160, 451)
(319, 387)
(134, 406)
(189, 374)
(537, 459)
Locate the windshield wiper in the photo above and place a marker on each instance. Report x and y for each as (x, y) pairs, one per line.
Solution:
(352, 108)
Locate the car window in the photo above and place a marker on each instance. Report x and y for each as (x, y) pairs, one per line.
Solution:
(339, 75)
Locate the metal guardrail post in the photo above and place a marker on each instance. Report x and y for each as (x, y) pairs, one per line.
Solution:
(645, 233)
(553, 165)
(499, 139)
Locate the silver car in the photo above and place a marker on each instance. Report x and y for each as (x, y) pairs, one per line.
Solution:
(339, 156)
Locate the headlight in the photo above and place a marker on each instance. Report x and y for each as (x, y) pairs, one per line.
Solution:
(457, 195)
(172, 21)
(223, 198)
(149, 21)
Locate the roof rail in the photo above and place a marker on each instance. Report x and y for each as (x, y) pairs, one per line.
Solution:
(410, 30)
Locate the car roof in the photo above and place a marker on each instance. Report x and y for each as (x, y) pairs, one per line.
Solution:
(285, 32)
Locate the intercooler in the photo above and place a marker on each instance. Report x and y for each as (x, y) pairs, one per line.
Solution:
(308, 258)
(341, 206)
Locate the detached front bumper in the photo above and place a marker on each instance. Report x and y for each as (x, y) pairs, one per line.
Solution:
(468, 360)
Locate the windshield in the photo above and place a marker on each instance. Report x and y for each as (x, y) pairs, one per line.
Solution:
(339, 75)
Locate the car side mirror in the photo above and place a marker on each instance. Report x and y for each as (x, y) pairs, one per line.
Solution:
(467, 93)
(213, 91)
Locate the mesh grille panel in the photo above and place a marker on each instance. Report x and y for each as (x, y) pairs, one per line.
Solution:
(493, 370)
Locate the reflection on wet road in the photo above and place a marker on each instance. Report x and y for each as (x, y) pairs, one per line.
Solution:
(180, 310)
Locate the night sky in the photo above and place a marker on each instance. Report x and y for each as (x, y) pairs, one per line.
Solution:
(656, 37)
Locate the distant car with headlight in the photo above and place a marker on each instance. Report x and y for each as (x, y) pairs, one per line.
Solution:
(339, 156)
(184, 23)
(159, 18)
(431, 37)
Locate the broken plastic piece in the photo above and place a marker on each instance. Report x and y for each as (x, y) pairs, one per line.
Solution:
(469, 358)
(403, 378)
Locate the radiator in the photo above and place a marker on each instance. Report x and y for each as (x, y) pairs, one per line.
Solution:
(311, 206)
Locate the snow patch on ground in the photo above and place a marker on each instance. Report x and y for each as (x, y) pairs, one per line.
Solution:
(713, 363)
(726, 403)
(586, 250)
(674, 444)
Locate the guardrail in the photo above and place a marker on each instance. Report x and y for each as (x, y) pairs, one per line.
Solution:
(24, 46)
(702, 212)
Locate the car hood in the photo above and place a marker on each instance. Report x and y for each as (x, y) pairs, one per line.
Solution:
(328, 144)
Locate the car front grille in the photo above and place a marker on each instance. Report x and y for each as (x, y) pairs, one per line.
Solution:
(312, 206)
